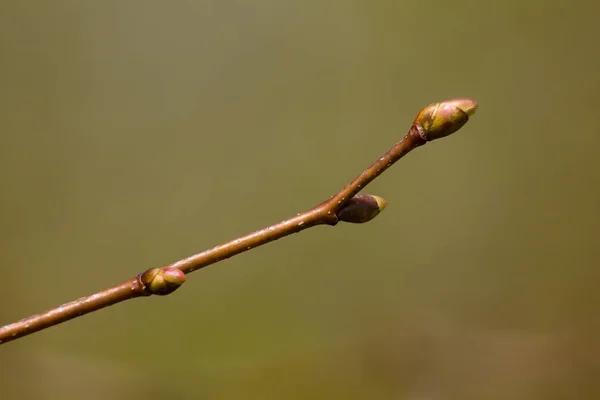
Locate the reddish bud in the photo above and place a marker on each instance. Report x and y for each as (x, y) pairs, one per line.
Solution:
(162, 281)
(362, 208)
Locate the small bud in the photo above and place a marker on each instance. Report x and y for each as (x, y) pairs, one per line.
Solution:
(442, 119)
(362, 208)
(162, 281)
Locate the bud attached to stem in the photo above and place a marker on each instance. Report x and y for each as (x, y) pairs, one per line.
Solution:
(162, 281)
(442, 119)
(362, 208)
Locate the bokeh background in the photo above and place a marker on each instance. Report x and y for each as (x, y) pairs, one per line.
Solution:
(136, 133)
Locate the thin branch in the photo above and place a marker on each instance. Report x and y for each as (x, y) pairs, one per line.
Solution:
(434, 121)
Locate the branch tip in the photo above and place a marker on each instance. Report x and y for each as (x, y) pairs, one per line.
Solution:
(439, 120)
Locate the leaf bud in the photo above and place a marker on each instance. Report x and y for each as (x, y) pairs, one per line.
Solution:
(361, 208)
(442, 119)
(162, 281)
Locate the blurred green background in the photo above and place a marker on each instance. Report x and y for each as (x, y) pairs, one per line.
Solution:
(137, 133)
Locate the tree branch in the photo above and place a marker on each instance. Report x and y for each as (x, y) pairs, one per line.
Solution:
(434, 121)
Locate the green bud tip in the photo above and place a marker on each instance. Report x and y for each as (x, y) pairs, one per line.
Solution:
(442, 119)
(162, 281)
(362, 208)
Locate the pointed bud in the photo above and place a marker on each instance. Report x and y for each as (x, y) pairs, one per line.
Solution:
(362, 208)
(442, 119)
(162, 281)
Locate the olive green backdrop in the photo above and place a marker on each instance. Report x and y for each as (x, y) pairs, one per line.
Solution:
(136, 133)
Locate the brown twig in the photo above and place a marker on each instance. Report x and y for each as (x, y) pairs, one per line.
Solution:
(433, 122)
